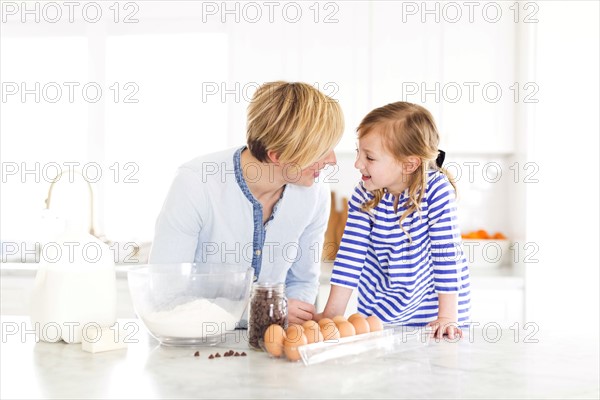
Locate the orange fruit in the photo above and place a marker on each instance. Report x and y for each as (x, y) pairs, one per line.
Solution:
(482, 234)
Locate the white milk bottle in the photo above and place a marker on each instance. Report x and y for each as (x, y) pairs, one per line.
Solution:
(74, 289)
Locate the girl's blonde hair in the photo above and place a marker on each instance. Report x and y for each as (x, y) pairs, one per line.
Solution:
(406, 130)
(295, 120)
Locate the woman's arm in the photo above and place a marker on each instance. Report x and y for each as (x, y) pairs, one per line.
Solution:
(179, 222)
(302, 281)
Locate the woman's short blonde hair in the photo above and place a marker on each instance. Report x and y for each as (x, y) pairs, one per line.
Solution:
(294, 120)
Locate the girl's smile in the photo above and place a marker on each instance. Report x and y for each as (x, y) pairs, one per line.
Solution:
(379, 168)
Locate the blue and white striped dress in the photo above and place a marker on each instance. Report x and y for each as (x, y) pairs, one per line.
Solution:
(397, 280)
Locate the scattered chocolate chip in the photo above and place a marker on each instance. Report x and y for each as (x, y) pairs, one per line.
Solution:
(197, 354)
(226, 354)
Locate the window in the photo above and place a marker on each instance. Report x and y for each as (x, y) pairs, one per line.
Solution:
(150, 118)
(40, 129)
(147, 140)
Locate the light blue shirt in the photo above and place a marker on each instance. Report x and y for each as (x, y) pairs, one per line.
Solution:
(210, 216)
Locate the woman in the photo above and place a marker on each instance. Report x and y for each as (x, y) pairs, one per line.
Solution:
(260, 204)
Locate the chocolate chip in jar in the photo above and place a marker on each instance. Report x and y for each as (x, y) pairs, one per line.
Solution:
(268, 305)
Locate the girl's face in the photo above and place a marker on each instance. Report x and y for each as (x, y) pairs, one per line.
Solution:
(307, 176)
(379, 168)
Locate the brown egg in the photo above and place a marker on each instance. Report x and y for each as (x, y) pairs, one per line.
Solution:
(297, 326)
(330, 331)
(346, 329)
(375, 323)
(355, 315)
(291, 347)
(310, 325)
(338, 319)
(360, 325)
(312, 332)
(274, 338)
(294, 333)
(313, 335)
(324, 321)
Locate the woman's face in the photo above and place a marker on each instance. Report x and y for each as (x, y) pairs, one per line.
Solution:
(307, 176)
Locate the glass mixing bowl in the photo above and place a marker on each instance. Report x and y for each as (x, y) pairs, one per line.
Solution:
(190, 304)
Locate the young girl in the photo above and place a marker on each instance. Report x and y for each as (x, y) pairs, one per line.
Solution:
(401, 246)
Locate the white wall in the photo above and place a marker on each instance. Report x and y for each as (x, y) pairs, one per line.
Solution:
(562, 210)
(361, 53)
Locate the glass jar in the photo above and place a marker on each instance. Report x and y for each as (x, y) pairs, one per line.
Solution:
(268, 305)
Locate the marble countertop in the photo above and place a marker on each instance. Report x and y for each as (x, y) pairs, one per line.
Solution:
(17, 282)
(505, 364)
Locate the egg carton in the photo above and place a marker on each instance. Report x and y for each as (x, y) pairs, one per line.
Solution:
(375, 344)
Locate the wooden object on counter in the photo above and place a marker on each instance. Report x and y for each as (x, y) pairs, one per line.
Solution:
(335, 228)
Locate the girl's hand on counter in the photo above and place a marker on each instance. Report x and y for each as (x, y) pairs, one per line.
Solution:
(445, 326)
(299, 311)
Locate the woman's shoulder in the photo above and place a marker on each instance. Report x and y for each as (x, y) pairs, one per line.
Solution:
(304, 203)
(212, 163)
(212, 170)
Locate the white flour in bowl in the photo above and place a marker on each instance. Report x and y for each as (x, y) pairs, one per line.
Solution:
(198, 318)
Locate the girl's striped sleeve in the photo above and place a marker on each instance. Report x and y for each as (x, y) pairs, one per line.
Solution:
(446, 244)
(351, 256)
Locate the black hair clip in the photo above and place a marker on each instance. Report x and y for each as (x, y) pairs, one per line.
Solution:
(440, 158)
